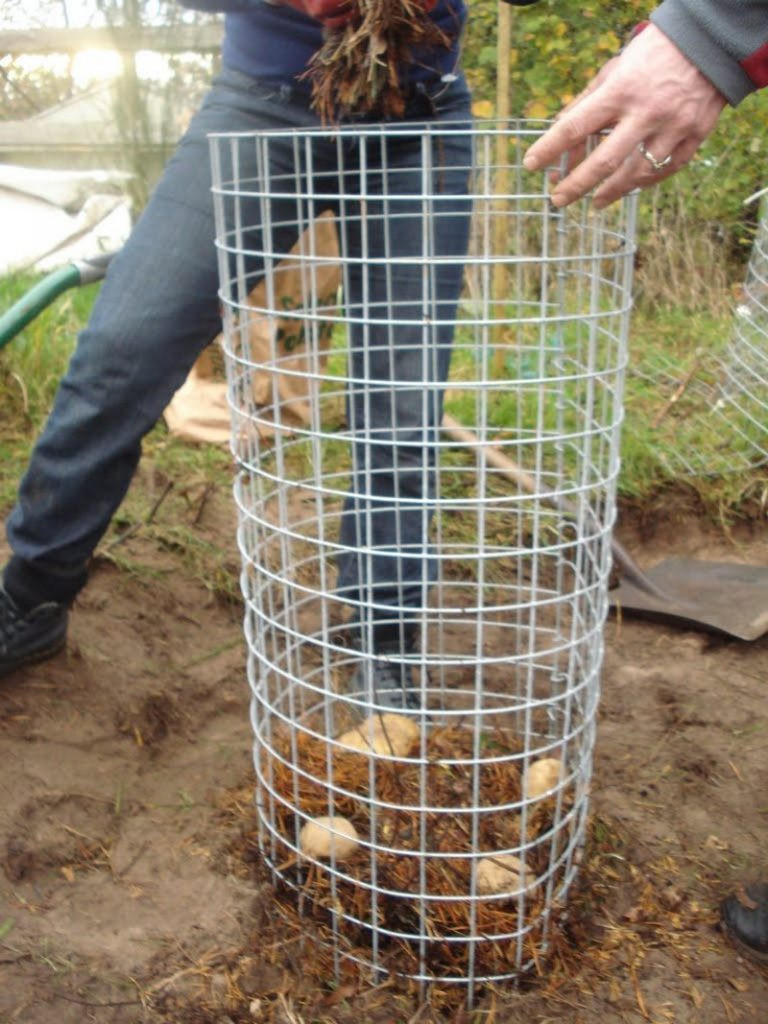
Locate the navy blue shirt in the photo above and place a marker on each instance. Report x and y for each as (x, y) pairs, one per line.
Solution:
(274, 43)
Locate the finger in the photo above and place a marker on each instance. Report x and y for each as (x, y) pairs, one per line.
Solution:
(573, 158)
(572, 125)
(657, 152)
(601, 164)
(638, 173)
(567, 163)
(569, 131)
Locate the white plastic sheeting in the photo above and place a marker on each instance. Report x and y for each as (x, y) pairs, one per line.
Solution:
(52, 217)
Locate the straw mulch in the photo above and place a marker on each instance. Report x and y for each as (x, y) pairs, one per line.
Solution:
(403, 871)
(619, 918)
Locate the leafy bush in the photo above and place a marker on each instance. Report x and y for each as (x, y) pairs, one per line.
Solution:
(557, 47)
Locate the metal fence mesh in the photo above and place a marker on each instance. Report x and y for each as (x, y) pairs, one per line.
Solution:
(426, 407)
(713, 418)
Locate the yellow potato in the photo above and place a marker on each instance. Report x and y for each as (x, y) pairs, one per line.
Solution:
(400, 731)
(542, 776)
(390, 733)
(501, 874)
(356, 740)
(326, 836)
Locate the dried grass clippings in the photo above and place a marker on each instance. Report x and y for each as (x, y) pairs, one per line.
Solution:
(448, 916)
(358, 68)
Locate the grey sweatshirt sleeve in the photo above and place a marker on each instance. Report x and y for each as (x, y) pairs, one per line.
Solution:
(727, 40)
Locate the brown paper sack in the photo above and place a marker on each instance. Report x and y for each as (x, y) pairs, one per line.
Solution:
(199, 410)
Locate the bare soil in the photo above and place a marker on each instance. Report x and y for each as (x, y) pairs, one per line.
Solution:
(132, 890)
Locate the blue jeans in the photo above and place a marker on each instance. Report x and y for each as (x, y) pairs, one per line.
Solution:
(158, 308)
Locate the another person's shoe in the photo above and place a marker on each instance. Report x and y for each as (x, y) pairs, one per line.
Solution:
(745, 920)
(31, 635)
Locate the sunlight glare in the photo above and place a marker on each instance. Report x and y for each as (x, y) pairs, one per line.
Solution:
(92, 66)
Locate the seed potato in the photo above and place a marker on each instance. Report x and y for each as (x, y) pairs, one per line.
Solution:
(500, 874)
(389, 734)
(542, 776)
(328, 836)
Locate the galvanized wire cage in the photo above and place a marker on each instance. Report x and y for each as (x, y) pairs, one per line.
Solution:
(425, 365)
(713, 418)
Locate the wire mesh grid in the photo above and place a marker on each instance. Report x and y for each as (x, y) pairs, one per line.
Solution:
(714, 419)
(427, 445)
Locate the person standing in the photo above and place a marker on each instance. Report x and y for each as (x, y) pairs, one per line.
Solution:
(158, 308)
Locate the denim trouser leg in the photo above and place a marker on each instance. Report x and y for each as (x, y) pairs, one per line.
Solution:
(157, 309)
(400, 354)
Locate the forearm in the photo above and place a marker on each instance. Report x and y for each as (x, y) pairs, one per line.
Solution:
(726, 39)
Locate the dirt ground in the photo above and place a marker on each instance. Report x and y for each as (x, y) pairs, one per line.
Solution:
(132, 892)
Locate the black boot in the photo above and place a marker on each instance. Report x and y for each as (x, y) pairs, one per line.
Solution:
(745, 920)
(385, 677)
(388, 684)
(29, 635)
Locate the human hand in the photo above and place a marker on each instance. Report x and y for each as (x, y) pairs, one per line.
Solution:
(651, 96)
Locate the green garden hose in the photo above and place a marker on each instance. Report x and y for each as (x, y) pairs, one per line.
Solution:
(46, 291)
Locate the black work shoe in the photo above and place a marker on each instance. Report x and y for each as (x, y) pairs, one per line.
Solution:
(386, 683)
(27, 637)
(745, 920)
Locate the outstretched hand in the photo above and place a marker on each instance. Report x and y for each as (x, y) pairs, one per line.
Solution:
(660, 108)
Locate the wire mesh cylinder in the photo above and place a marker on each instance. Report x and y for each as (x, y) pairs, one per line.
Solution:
(714, 417)
(425, 364)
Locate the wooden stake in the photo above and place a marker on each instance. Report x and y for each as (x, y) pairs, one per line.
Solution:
(499, 286)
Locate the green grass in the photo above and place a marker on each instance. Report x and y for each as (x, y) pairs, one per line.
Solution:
(31, 365)
(34, 361)
(30, 368)
(672, 424)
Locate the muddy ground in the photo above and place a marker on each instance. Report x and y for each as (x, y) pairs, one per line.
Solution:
(131, 890)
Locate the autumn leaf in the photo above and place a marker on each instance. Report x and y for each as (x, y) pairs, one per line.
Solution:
(482, 108)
